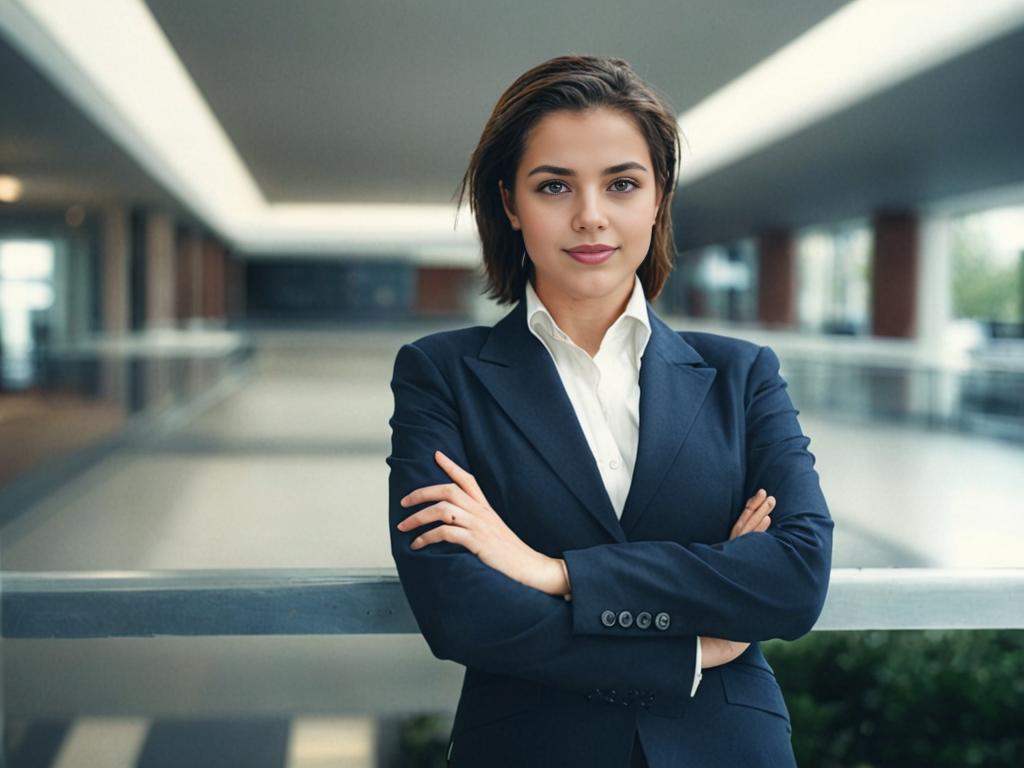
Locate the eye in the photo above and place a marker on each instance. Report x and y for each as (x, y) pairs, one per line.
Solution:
(625, 181)
(549, 184)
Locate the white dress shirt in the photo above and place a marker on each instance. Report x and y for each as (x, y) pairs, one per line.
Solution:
(604, 391)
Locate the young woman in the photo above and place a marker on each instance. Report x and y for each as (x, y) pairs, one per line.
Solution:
(567, 487)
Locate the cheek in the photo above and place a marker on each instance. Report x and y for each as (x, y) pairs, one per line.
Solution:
(640, 236)
(531, 216)
(543, 230)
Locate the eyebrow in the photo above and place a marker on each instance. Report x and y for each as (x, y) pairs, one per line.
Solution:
(570, 172)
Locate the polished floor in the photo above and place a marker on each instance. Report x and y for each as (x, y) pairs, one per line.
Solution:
(287, 470)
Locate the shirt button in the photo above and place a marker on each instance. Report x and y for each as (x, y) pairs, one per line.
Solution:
(614, 463)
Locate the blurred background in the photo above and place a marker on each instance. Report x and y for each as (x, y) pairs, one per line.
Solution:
(220, 220)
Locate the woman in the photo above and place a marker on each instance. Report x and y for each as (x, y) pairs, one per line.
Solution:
(566, 488)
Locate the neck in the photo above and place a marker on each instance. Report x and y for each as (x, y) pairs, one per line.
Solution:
(587, 320)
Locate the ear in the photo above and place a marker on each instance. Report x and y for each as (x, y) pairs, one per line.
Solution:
(508, 204)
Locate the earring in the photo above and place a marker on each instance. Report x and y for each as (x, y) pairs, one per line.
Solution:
(522, 264)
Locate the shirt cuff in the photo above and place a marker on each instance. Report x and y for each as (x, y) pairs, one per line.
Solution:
(696, 672)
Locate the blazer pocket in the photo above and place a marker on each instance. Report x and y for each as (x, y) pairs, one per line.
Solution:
(488, 704)
(753, 687)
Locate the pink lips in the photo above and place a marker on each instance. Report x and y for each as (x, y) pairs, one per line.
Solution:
(588, 256)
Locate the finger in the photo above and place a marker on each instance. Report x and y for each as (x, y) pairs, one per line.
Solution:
(443, 492)
(451, 533)
(444, 511)
(758, 515)
(763, 525)
(463, 477)
(748, 510)
(752, 504)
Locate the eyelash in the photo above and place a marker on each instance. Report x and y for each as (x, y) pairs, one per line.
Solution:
(546, 184)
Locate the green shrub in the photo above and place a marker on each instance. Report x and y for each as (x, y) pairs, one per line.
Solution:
(905, 698)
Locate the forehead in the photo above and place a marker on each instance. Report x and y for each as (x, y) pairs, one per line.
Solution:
(591, 140)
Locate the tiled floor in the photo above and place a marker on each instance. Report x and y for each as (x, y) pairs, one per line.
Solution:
(289, 471)
(136, 742)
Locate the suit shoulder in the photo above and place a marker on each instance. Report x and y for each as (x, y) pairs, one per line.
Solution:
(443, 347)
(720, 350)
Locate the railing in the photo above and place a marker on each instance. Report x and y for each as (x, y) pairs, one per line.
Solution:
(978, 401)
(370, 601)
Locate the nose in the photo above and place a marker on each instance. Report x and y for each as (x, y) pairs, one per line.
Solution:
(589, 212)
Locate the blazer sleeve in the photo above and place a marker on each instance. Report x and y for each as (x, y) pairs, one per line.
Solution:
(755, 587)
(474, 614)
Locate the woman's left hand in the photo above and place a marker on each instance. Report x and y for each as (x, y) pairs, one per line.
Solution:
(471, 522)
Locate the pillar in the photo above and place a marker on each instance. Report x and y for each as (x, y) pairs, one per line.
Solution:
(213, 300)
(776, 279)
(442, 290)
(894, 275)
(160, 278)
(116, 274)
(190, 276)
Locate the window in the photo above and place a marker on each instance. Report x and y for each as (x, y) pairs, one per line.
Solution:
(26, 294)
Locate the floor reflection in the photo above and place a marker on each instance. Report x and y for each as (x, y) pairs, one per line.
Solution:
(300, 742)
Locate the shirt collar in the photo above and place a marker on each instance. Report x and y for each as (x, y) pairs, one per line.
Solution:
(538, 318)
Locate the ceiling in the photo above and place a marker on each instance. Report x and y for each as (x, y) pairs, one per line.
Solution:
(382, 103)
(955, 130)
(60, 156)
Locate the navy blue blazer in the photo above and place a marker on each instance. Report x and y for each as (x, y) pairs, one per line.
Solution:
(551, 682)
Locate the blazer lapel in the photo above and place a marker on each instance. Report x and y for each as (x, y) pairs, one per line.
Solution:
(519, 373)
(674, 382)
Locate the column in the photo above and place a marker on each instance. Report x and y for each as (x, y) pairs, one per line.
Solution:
(190, 276)
(894, 275)
(213, 281)
(776, 279)
(442, 290)
(160, 278)
(116, 275)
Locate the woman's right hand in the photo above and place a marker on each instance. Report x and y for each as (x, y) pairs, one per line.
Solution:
(715, 651)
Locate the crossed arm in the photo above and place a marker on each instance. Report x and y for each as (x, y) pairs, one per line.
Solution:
(482, 599)
(469, 520)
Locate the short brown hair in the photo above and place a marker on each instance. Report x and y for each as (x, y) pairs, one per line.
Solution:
(574, 83)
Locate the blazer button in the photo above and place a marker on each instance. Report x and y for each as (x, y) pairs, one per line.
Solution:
(625, 619)
(608, 618)
(643, 619)
(662, 621)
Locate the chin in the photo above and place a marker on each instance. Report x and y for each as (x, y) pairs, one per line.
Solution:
(596, 285)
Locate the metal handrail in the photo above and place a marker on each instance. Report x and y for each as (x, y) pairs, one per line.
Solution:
(90, 604)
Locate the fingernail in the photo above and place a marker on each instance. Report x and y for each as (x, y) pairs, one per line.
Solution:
(771, 500)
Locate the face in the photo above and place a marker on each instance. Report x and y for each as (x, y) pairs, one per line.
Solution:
(568, 193)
